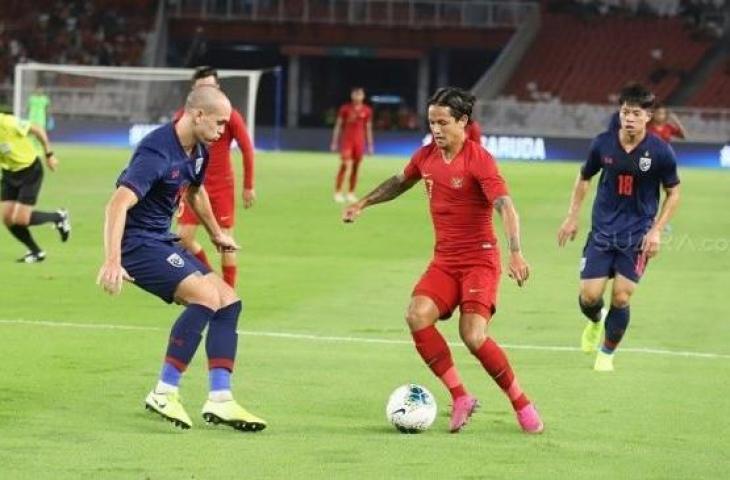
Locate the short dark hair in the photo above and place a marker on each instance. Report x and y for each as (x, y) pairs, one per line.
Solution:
(459, 101)
(356, 88)
(637, 94)
(203, 72)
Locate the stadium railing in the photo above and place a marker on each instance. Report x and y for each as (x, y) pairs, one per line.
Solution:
(585, 120)
(409, 13)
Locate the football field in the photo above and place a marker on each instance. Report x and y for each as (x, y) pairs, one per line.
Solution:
(324, 343)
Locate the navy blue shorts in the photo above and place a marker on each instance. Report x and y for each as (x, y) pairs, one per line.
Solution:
(159, 266)
(606, 259)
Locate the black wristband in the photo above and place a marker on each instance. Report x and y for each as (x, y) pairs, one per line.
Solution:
(49, 154)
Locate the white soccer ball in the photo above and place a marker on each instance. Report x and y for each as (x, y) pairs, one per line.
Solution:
(411, 408)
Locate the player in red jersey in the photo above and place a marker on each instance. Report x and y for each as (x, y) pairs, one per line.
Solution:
(474, 132)
(219, 183)
(355, 123)
(463, 185)
(666, 125)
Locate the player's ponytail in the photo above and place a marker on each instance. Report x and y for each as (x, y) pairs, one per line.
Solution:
(459, 101)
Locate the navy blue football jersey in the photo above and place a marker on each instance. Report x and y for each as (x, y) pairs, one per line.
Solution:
(158, 173)
(627, 199)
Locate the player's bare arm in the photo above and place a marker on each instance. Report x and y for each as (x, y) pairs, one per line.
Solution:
(336, 134)
(569, 229)
(112, 274)
(198, 200)
(386, 191)
(42, 137)
(519, 270)
(652, 240)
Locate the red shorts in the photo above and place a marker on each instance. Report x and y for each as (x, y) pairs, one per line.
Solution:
(222, 201)
(352, 150)
(472, 287)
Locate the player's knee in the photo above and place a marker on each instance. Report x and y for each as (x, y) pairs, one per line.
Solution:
(418, 317)
(227, 295)
(589, 298)
(206, 294)
(8, 219)
(620, 299)
(473, 337)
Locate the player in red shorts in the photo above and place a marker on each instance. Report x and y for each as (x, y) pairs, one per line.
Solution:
(666, 125)
(219, 183)
(463, 185)
(355, 122)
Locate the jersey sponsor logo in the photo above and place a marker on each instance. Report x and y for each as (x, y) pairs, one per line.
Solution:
(457, 182)
(176, 260)
(607, 160)
(5, 149)
(198, 165)
(644, 163)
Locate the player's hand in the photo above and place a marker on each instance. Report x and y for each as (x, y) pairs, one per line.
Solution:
(224, 243)
(519, 270)
(249, 198)
(352, 212)
(111, 277)
(333, 146)
(52, 163)
(651, 242)
(371, 149)
(567, 231)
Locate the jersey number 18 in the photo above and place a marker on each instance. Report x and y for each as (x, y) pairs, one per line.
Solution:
(626, 185)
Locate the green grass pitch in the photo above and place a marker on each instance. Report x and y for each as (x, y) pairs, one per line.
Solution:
(74, 373)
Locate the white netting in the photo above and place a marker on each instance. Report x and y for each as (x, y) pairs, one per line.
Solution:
(136, 95)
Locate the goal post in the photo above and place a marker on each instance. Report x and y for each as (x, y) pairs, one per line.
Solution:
(125, 95)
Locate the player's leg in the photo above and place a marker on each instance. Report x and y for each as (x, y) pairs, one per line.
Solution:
(16, 217)
(28, 195)
(345, 162)
(187, 225)
(223, 204)
(597, 265)
(617, 321)
(357, 155)
(434, 297)
(171, 273)
(221, 345)
(479, 295)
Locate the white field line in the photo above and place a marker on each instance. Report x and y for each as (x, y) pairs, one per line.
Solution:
(330, 338)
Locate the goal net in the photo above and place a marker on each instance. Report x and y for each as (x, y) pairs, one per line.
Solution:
(133, 98)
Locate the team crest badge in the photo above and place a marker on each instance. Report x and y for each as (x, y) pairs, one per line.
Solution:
(457, 182)
(198, 165)
(176, 260)
(644, 164)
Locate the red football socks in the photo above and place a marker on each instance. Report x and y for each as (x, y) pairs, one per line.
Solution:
(203, 258)
(435, 352)
(229, 275)
(496, 364)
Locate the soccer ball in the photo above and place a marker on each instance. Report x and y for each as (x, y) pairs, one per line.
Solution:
(411, 408)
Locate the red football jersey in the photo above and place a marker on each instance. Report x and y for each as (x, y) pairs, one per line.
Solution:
(220, 170)
(461, 195)
(474, 132)
(665, 132)
(354, 121)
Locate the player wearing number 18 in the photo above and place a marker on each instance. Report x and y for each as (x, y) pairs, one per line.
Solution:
(627, 221)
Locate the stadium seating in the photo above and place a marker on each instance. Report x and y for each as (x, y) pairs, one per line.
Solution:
(589, 60)
(715, 92)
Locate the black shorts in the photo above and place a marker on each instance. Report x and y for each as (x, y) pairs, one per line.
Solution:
(22, 186)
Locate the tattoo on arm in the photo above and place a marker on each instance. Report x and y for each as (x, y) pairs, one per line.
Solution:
(505, 208)
(388, 190)
(514, 243)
